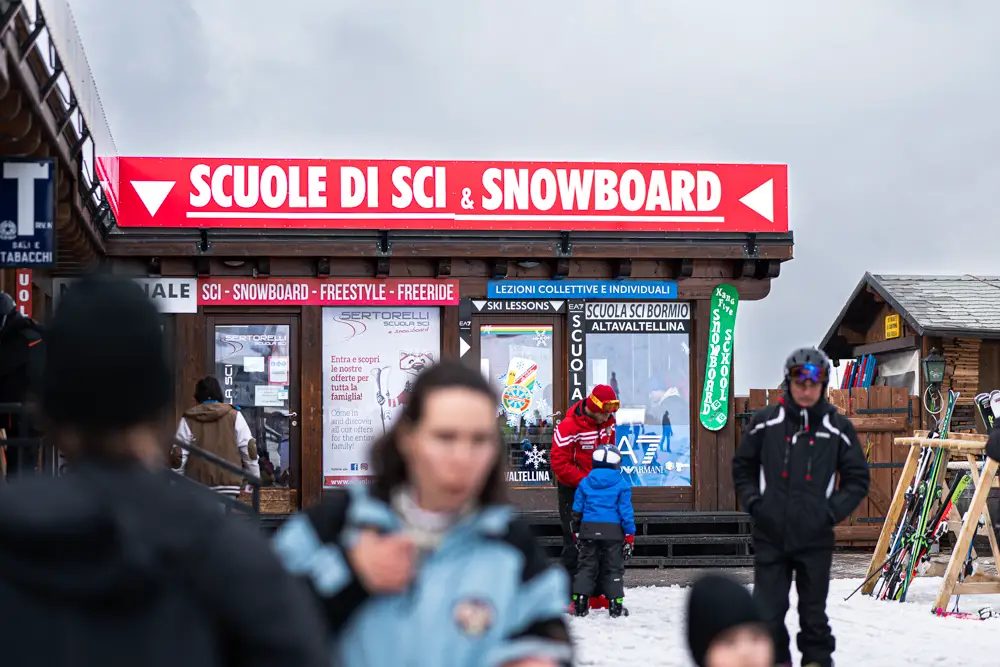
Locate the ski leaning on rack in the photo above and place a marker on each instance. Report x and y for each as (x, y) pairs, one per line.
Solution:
(988, 406)
(921, 526)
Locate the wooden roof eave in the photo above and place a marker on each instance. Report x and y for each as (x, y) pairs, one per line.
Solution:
(833, 343)
(26, 73)
(409, 243)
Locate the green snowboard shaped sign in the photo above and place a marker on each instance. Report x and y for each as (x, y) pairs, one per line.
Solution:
(719, 364)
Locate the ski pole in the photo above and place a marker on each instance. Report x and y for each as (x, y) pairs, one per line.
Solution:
(870, 576)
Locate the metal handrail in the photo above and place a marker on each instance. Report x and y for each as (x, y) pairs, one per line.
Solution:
(23, 441)
(254, 481)
(48, 456)
(197, 487)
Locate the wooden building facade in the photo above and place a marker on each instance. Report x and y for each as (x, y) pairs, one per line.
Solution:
(471, 267)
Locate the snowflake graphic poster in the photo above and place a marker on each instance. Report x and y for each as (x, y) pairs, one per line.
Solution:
(371, 356)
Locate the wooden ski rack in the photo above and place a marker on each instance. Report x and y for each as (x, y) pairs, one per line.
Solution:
(984, 473)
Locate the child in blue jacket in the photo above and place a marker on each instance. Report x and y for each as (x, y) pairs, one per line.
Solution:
(605, 528)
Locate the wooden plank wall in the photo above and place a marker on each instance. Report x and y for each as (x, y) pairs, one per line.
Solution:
(869, 411)
(962, 376)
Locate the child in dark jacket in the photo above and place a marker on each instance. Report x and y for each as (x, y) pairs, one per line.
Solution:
(604, 525)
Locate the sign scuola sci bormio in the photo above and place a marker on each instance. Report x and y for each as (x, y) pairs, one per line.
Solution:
(209, 193)
(625, 317)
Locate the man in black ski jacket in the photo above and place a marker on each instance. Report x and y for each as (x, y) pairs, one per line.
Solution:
(22, 354)
(785, 475)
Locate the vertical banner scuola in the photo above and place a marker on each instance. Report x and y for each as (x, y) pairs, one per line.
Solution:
(718, 365)
(371, 356)
(577, 352)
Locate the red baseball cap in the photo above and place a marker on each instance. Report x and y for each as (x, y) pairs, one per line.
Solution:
(603, 399)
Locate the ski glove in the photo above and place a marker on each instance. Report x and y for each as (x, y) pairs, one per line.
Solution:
(628, 547)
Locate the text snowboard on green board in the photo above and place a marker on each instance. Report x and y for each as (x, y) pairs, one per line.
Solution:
(719, 362)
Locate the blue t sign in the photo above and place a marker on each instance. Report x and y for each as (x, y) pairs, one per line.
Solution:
(27, 214)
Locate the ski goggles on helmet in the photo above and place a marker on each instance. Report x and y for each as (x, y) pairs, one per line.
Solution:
(808, 373)
(606, 406)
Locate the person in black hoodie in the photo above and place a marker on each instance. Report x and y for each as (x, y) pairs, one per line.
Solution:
(725, 627)
(22, 354)
(785, 472)
(115, 564)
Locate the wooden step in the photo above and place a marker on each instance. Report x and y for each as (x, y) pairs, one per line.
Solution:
(660, 540)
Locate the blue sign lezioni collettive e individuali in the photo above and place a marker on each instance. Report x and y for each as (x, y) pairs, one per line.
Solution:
(27, 214)
(582, 289)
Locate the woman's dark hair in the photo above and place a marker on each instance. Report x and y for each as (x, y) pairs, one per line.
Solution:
(387, 461)
(208, 389)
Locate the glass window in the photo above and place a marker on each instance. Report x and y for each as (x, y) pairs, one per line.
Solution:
(517, 360)
(252, 361)
(651, 375)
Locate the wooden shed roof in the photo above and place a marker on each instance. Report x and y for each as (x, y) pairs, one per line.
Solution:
(963, 306)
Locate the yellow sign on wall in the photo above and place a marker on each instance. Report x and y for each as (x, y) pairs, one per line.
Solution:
(893, 329)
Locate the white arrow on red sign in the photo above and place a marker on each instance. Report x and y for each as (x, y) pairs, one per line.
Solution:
(153, 193)
(760, 200)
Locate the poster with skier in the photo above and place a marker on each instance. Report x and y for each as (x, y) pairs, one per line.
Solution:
(372, 356)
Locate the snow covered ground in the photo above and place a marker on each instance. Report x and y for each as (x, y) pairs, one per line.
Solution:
(868, 632)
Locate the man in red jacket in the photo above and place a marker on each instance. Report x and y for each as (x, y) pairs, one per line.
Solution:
(589, 423)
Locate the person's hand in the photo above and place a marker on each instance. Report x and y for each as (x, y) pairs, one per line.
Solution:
(628, 547)
(533, 662)
(383, 563)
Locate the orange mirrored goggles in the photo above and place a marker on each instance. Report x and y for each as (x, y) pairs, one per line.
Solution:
(606, 406)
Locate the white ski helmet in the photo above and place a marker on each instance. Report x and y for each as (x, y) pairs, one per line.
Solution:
(607, 456)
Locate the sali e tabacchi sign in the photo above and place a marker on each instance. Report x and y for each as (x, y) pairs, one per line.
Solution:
(718, 365)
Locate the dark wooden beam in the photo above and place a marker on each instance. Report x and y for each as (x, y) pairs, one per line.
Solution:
(498, 269)
(364, 243)
(891, 345)
(622, 269)
(744, 268)
(767, 268)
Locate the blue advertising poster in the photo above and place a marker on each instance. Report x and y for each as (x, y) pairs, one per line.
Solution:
(582, 289)
(27, 214)
(654, 455)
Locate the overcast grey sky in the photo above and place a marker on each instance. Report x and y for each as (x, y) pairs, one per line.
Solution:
(885, 111)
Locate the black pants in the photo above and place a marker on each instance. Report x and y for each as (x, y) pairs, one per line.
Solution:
(569, 551)
(772, 582)
(601, 568)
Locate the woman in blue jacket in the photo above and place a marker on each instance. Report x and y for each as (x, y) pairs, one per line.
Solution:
(428, 565)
